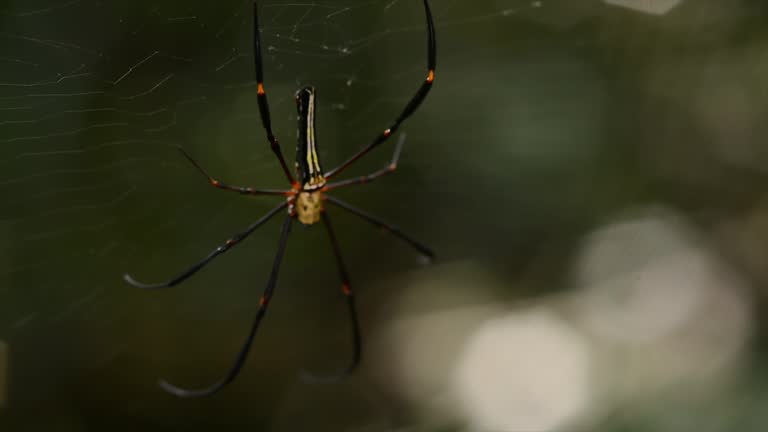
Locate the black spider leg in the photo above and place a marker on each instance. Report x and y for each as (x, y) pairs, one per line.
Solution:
(392, 167)
(346, 289)
(243, 354)
(394, 230)
(410, 108)
(220, 185)
(237, 238)
(262, 96)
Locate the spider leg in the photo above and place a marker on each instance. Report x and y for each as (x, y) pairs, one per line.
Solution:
(237, 238)
(370, 177)
(346, 289)
(243, 354)
(262, 96)
(220, 185)
(410, 108)
(394, 230)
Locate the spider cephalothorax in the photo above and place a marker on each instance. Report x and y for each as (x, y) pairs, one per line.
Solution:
(305, 200)
(308, 207)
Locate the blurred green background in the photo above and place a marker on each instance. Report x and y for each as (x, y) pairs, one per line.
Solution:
(591, 176)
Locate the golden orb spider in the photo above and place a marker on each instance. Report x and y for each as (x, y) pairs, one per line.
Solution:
(305, 200)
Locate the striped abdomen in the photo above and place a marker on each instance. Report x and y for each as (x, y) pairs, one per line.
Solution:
(308, 168)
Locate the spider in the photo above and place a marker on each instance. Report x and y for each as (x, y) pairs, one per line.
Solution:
(305, 201)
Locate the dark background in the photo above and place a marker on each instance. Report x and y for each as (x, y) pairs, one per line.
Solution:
(568, 156)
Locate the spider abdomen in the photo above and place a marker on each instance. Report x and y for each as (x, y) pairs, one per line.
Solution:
(307, 160)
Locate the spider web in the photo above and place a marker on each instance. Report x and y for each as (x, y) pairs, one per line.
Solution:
(96, 95)
(94, 98)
